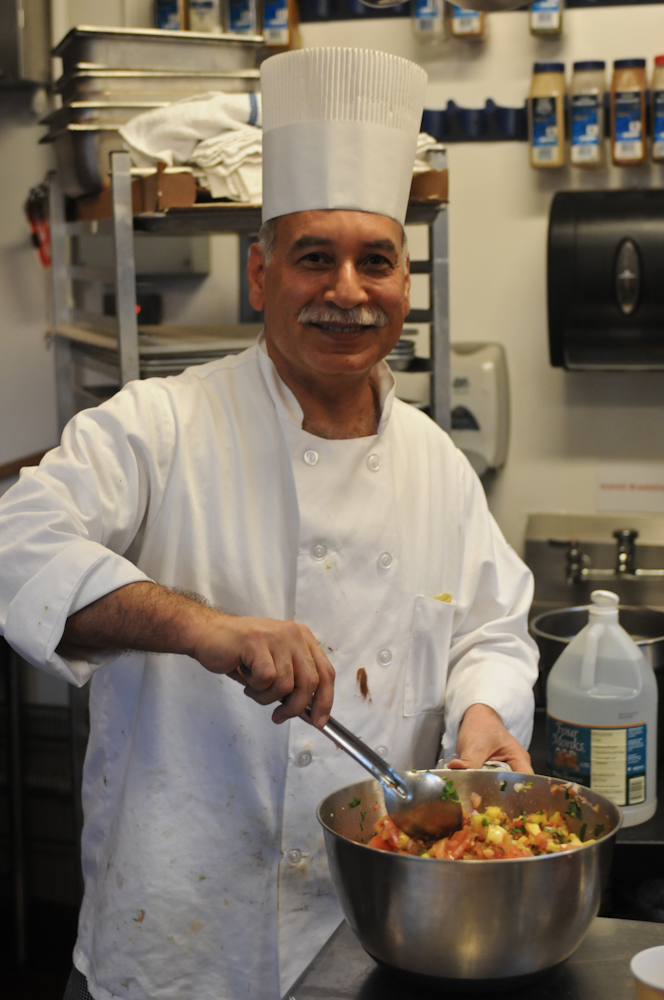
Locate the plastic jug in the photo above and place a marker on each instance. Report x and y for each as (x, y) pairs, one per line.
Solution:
(601, 704)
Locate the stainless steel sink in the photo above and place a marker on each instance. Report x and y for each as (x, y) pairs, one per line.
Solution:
(571, 555)
(562, 581)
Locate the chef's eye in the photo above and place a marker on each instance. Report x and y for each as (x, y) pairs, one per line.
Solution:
(377, 260)
(316, 259)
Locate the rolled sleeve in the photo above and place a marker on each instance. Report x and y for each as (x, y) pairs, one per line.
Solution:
(67, 526)
(77, 575)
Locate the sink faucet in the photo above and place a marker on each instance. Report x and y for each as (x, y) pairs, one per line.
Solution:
(577, 564)
(574, 559)
(626, 554)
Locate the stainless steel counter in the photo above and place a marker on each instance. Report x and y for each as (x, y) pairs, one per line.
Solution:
(598, 970)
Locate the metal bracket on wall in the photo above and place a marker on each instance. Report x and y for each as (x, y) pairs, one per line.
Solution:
(492, 123)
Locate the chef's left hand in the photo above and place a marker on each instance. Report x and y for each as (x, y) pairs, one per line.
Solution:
(482, 737)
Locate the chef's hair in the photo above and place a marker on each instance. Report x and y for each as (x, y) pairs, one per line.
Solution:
(267, 240)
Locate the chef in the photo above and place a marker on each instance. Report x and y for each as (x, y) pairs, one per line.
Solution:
(275, 524)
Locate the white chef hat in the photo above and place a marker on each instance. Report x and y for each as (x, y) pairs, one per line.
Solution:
(340, 130)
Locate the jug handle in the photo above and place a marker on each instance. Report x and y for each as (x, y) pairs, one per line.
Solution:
(589, 662)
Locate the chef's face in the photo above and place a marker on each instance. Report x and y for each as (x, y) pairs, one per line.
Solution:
(334, 291)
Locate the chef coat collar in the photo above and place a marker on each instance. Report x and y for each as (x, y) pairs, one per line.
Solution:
(287, 405)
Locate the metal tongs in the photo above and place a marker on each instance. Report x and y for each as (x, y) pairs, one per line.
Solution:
(418, 802)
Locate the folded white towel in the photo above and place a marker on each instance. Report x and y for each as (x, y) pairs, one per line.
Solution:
(215, 131)
(425, 143)
(233, 164)
(221, 134)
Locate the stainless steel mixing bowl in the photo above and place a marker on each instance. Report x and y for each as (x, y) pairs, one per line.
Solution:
(502, 923)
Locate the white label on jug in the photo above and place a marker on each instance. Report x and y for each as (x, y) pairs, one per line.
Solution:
(609, 759)
(608, 762)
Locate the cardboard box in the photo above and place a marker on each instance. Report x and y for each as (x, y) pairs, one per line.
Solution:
(429, 187)
(167, 187)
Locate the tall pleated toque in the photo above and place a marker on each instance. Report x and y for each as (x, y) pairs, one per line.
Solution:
(340, 130)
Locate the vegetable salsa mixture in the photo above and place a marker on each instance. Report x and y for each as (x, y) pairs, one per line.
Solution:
(490, 833)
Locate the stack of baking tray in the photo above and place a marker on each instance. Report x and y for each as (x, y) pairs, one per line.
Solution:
(112, 74)
(163, 350)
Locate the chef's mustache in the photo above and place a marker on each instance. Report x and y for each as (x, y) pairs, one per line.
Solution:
(357, 316)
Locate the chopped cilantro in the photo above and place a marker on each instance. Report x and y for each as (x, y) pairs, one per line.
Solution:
(521, 830)
(355, 802)
(598, 829)
(503, 786)
(574, 809)
(582, 832)
(485, 821)
(362, 815)
(449, 792)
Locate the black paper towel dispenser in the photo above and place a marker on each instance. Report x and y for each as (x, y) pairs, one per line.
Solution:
(606, 280)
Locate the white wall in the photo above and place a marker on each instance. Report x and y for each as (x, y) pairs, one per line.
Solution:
(562, 423)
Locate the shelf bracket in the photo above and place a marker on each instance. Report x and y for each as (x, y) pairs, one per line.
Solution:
(125, 267)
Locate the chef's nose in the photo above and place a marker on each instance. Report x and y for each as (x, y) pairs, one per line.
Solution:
(346, 289)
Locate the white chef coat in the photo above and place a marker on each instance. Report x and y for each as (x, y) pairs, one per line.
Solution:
(204, 865)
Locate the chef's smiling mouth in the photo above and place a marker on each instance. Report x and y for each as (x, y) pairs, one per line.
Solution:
(356, 328)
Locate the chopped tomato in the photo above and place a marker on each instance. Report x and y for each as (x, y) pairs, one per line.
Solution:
(380, 844)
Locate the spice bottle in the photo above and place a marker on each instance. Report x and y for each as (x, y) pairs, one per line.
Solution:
(628, 112)
(468, 24)
(279, 20)
(546, 17)
(242, 17)
(587, 113)
(204, 15)
(658, 110)
(546, 115)
(170, 15)
(428, 20)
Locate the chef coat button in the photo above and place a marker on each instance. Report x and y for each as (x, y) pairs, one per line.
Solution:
(385, 560)
(381, 751)
(318, 551)
(373, 462)
(294, 856)
(303, 759)
(384, 657)
(311, 457)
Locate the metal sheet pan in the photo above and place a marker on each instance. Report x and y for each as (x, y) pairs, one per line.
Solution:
(82, 156)
(118, 85)
(129, 48)
(97, 112)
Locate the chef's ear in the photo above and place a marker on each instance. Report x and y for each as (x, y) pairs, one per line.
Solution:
(256, 277)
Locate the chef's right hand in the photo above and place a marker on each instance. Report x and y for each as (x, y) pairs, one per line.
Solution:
(274, 660)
